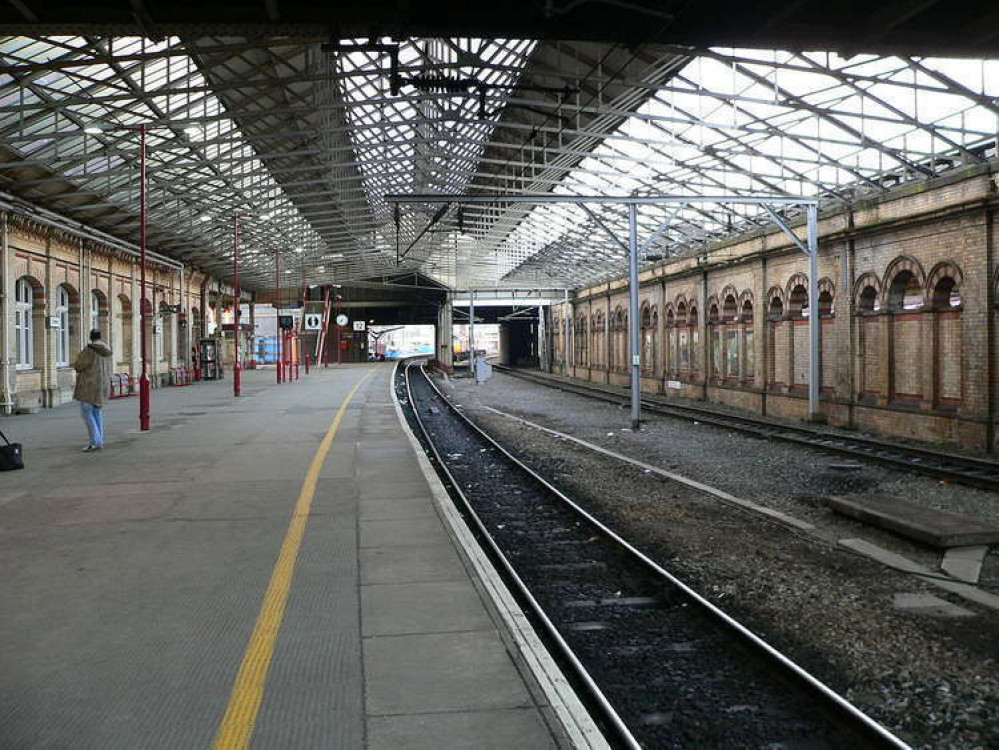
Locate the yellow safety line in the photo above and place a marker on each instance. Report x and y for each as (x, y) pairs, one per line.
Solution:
(237, 725)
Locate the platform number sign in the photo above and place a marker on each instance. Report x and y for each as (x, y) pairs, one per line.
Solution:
(358, 325)
(313, 322)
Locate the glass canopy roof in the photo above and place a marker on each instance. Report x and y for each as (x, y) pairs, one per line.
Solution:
(304, 139)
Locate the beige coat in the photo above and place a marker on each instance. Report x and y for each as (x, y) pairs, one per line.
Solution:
(93, 373)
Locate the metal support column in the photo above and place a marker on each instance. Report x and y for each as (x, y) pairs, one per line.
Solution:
(633, 317)
(277, 314)
(471, 333)
(7, 347)
(143, 314)
(814, 319)
(565, 332)
(236, 375)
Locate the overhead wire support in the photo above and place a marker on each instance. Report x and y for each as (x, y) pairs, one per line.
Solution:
(633, 202)
(436, 218)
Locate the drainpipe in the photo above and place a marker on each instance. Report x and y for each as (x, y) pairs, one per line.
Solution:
(990, 314)
(6, 311)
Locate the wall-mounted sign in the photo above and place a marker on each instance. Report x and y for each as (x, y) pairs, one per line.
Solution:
(54, 322)
(358, 325)
(313, 322)
(342, 320)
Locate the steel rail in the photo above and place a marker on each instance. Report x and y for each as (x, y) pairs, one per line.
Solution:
(596, 695)
(862, 721)
(976, 472)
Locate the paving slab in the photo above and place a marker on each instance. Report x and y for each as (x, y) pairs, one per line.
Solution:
(479, 730)
(372, 509)
(395, 532)
(965, 563)
(411, 674)
(428, 607)
(937, 528)
(410, 564)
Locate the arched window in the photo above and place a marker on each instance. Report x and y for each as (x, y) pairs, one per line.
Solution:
(671, 358)
(748, 342)
(825, 304)
(948, 352)
(868, 302)
(648, 340)
(97, 312)
(62, 340)
(905, 344)
(776, 311)
(164, 330)
(715, 340)
(730, 309)
(777, 362)
(905, 292)
(582, 341)
(24, 325)
(695, 337)
(122, 335)
(798, 301)
(946, 295)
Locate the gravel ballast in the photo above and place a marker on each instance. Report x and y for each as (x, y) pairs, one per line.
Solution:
(930, 679)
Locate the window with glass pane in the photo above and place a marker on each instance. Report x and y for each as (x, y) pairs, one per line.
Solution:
(23, 325)
(95, 312)
(62, 311)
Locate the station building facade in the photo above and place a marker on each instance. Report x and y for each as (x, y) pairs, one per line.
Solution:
(908, 305)
(58, 284)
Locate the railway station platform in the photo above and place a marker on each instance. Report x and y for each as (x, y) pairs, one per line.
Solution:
(266, 572)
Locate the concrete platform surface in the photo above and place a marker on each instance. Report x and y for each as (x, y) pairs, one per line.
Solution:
(138, 583)
(938, 528)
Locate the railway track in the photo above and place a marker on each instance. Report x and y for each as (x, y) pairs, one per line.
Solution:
(659, 666)
(975, 472)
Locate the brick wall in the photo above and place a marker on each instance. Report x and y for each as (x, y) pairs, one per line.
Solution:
(918, 364)
(51, 260)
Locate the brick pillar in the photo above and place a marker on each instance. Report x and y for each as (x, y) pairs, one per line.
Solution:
(50, 373)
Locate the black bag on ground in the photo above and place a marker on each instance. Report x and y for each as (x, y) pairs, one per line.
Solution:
(10, 455)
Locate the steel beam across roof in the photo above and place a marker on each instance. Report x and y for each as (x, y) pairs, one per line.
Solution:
(312, 140)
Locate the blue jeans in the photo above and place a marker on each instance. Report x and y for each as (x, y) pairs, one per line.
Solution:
(94, 417)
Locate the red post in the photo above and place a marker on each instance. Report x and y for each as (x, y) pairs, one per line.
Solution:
(306, 361)
(235, 306)
(338, 362)
(277, 308)
(143, 316)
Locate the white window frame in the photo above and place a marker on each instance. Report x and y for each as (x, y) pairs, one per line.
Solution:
(62, 335)
(24, 325)
(95, 312)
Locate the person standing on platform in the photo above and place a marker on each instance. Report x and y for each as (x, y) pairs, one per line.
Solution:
(93, 374)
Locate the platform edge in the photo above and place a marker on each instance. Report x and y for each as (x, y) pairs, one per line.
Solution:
(569, 720)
